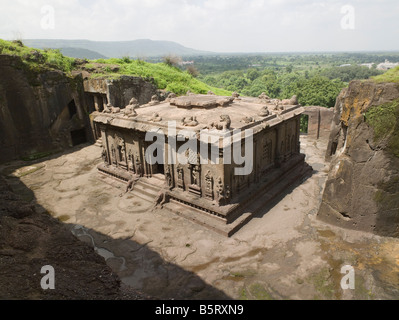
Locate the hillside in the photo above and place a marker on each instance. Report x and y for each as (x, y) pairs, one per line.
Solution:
(36, 61)
(389, 76)
(118, 49)
(80, 53)
(165, 77)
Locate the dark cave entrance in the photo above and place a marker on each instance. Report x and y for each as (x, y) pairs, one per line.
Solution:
(72, 109)
(78, 137)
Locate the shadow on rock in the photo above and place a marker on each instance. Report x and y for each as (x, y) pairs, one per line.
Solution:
(30, 240)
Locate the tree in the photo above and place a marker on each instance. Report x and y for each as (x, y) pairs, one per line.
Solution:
(193, 71)
(172, 60)
(253, 74)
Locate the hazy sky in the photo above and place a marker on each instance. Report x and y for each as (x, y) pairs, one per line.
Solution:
(213, 25)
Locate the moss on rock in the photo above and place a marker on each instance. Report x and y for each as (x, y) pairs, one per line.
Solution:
(384, 119)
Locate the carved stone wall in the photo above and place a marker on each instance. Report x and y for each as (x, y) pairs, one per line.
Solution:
(118, 92)
(320, 121)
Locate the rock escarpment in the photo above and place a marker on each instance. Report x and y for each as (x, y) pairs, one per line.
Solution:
(362, 191)
(39, 111)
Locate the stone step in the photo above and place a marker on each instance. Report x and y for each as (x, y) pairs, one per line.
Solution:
(139, 187)
(142, 195)
(211, 222)
(147, 189)
(99, 143)
(146, 185)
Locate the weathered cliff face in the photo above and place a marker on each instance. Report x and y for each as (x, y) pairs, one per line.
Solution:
(117, 92)
(362, 191)
(39, 112)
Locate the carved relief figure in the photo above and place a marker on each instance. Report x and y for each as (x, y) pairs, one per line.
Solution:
(105, 156)
(110, 109)
(264, 96)
(264, 112)
(190, 122)
(228, 192)
(107, 109)
(223, 124)
(195, 173)
(113, 152)
(121, 149)
(180, 176)
(130, 112)
(168, 176)
(248, 120)
(209, 186)
(155, 117)
(220, 192)
(154, 100)
(139, 167)
(131, 161)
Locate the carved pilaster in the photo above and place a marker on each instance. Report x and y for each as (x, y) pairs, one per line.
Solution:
(209, 186)
(169, 177)
(180, 177)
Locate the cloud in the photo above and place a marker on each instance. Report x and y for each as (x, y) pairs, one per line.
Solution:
(215, 25)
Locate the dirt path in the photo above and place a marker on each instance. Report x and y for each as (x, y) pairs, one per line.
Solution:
(283, 254)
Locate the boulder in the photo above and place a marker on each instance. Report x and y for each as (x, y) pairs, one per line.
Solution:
(362, 190)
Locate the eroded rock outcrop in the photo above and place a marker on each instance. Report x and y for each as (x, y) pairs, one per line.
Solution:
(362, 191)
(39, 111)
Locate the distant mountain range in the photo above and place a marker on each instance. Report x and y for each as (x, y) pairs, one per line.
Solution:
(114, 49)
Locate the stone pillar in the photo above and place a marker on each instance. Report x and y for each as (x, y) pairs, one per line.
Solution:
(98, 103)
(105, 102)
(180, 177)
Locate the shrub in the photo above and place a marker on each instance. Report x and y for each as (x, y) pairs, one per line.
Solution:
(125, 59)
(172, 60)
(193, 71)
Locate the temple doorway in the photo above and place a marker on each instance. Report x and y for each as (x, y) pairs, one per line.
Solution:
(160, 168)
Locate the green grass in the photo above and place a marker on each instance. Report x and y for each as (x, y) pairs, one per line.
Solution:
(322, 283)
(165, 77)
(37, 156)
(259, 292)
(389, 76)
(384, 119)
(170, 78)
(256, 291)
(36, 60)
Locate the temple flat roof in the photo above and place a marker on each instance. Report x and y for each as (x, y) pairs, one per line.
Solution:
(244, 113)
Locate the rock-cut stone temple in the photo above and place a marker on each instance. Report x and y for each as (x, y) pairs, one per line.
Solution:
(207, 188)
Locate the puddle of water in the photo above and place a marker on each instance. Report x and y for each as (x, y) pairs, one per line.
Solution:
(80, 231)
(234, 278)
(250, 254)
(326, 233)
(201, 267)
